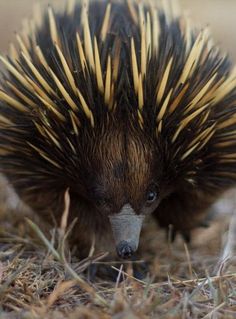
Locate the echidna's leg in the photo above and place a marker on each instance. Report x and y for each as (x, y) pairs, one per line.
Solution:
(184, 211)
(49, 204)
(140, 269)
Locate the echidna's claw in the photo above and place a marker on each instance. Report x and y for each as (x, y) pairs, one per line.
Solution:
(204, 224)
(186, 235)
(170, 234)
(140, 270)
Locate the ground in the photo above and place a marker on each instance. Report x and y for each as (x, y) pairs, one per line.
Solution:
(41, 279)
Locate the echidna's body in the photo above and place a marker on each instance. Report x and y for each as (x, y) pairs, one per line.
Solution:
(128, 107)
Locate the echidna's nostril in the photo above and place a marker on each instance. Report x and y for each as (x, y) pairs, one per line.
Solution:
(124, 250)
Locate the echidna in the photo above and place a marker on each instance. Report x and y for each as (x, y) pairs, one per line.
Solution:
(129, 107)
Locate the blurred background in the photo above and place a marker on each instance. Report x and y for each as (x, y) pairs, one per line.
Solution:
(219, 14)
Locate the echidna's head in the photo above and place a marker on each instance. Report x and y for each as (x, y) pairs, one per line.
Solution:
(121, 178)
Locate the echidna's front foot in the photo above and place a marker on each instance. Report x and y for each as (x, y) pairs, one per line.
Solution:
(172, 233)
(117, 271)
(204, 224)
(140, 270)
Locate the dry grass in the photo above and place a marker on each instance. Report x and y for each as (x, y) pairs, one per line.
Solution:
(39, 280)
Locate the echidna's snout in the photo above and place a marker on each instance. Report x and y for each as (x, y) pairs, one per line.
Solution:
(126, 228)
(125, 249)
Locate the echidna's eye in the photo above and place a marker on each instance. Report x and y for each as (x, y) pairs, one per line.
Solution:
(151, 197)
(101, 202)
